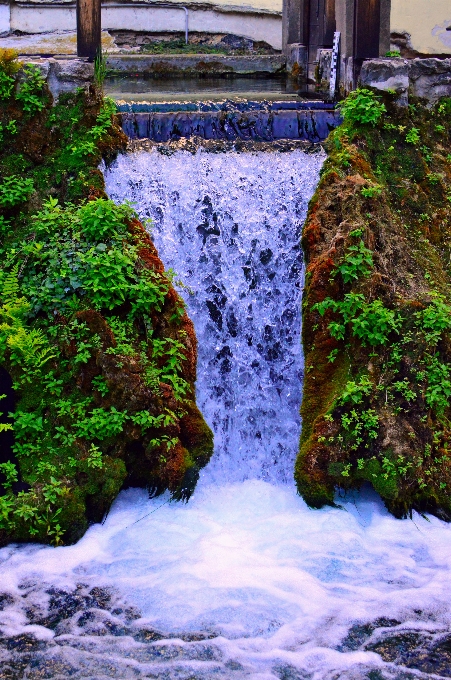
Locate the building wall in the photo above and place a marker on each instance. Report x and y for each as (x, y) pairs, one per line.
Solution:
(4, 19)
(250, 22)
(426, 22)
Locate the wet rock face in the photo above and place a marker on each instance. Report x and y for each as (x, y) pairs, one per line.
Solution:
(424, 651)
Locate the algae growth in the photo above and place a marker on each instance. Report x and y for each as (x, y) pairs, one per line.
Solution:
(93, 335)
(377, 313)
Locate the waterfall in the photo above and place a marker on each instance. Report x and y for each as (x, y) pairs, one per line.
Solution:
(230, 226)
(244, 581)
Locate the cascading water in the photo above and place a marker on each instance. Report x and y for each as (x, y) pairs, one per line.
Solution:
(244, 581)
(230, 226)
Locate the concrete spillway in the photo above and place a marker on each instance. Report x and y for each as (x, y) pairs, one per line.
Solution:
(260, 121)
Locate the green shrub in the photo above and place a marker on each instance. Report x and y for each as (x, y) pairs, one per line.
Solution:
(357, 262)
(102, 219)
(371, 322)
(438, 390)
(372, 191)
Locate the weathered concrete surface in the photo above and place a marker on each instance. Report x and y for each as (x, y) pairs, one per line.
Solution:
(195, 65)
(59, 42)
(426, 78)
(425, 21)
(5, 18)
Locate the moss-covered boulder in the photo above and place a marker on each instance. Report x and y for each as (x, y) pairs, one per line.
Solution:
(377, 310)
(93, 336)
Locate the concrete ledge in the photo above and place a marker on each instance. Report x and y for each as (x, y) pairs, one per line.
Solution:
(429, 79)
(195, 65)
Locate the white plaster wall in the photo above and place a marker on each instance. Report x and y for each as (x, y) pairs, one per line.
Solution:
(426, 21)
(266, 27)
(38, 19)
(43, 19)
(4, 19)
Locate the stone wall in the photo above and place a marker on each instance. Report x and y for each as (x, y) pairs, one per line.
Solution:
(427, 78)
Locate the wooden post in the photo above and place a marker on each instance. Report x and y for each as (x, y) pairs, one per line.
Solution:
(88, 28)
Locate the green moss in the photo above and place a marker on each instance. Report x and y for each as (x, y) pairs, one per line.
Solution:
(377, 311)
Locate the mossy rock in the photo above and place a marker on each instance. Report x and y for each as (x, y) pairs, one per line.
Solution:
(96, 339)
(376, 318)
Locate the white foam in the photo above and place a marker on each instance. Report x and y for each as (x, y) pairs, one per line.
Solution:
(278, 582)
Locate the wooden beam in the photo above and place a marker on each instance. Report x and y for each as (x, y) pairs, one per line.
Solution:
(88, 28)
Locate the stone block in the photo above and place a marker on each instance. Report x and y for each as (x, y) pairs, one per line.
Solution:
(387, 74)
(430, 78)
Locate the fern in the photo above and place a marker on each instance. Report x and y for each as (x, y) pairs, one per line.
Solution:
(4, 426)
(10, 288)
(29, 347)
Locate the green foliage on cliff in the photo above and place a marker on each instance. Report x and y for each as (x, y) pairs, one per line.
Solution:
(377, 311)
(97, 342)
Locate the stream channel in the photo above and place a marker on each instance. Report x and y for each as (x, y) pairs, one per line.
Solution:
(243, 581)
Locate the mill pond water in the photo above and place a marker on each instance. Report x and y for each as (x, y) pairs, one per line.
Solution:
(244, 581)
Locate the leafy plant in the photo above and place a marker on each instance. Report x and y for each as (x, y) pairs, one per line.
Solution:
(4, 426)
(413, 136)
(438, 390)
(372, 191)
(360, 426)
(357, 262)
(102, 219)
(371, 322)
(11, 475)
(435, 319)
(354, 392)
(362, 107)
(31, 90)
(15, 190)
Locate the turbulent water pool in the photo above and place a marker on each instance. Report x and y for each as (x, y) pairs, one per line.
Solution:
(244, 581)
